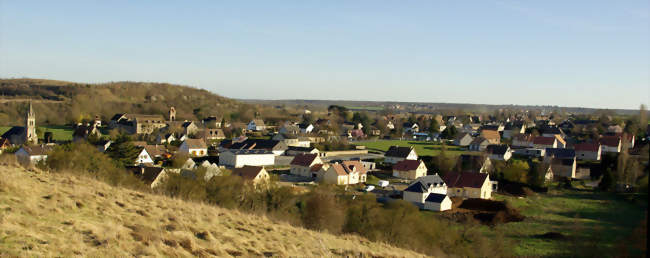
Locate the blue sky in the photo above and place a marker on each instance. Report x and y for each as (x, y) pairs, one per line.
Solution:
(567, 53)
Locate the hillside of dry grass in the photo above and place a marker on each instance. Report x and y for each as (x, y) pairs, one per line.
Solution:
(45, 215)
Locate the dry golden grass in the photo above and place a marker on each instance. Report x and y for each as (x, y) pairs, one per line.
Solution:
(45, 215)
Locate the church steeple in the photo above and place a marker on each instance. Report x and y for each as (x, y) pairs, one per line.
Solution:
(30, 126)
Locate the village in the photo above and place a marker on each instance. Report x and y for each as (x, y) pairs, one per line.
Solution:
(290, 152)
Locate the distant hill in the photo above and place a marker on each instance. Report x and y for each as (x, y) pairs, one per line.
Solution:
(59, 215)
(60, 102)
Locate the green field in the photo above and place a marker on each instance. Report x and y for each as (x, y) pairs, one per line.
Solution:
(60, 132)
(422, 148)
(594, 223)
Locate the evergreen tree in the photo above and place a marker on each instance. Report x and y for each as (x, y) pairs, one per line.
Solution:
(123, 151)
(433, 126)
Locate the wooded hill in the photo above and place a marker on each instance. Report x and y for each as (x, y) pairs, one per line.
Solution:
(60, 102)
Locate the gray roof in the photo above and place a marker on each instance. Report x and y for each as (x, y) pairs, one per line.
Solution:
(436, 197)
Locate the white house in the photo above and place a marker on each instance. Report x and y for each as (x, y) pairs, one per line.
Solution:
(543, 142)
(468, 185)
(305, 165)
(610, 144)
(499, 152)
(429, 192)
(410, 169)
(256, 125)
(254, 174)
(143, 157)
(31, 155)
(396, 154)
(306, 128)
(193, 148)
(240, 158)
(346, 173)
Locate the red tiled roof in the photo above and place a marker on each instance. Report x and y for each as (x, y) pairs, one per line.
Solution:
(349, 164)
(465, 179)
(544, 140)
(407, 165)
(304, 160)
(612, 141)
(316, 167)
(586, 147)
(248, 172)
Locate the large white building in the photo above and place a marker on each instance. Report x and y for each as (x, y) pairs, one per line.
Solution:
(240, 158)
(428, 192)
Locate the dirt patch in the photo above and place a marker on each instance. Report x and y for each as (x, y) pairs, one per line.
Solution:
(487, 212)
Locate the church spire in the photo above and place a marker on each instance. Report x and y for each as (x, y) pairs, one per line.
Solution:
(30, 126)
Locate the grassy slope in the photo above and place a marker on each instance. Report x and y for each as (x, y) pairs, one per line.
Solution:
(582, 215)
(422, 148)
(44, 215)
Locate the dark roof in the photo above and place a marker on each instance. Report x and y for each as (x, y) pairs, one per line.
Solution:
(436, 197)
(117, 116)
(478, 140)
(297, 148)
(257, 144)
(498, 149)
(417, 187)
(550, 130)
(211, 159)
(406, 165)
(304, 160)
(400, 152)
(147, 174)
(490, 127)
(560, 153)
(247, 172)
(465, 179)
(16, 130)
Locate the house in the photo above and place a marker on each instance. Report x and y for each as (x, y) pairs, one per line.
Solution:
(587, 151)
(610, 143)
(137, 123)
(559, 153)
(143, 158)
(356, 133)
(437, 202)
(212, 122)
(551, 131)
(499, 152)
(468, 185)
(256, 125)
(155, 151)
(522, 140)
(563, 167)
(396, 154)
(513, 128)
(543, 142)
(429, 192)
(32, 155)
(474, 163)
(345, 173)
(193, 148)
(244, 157)
(409, 169)
(531, 152)
(411, 127)
(305, 165)
(274, 146)
(289, 128)
(165, 138)
(306, 127)
(492, 136)
(463, 139)
(209, 134)
(148, 174)
(479, 144)
(255, 174)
